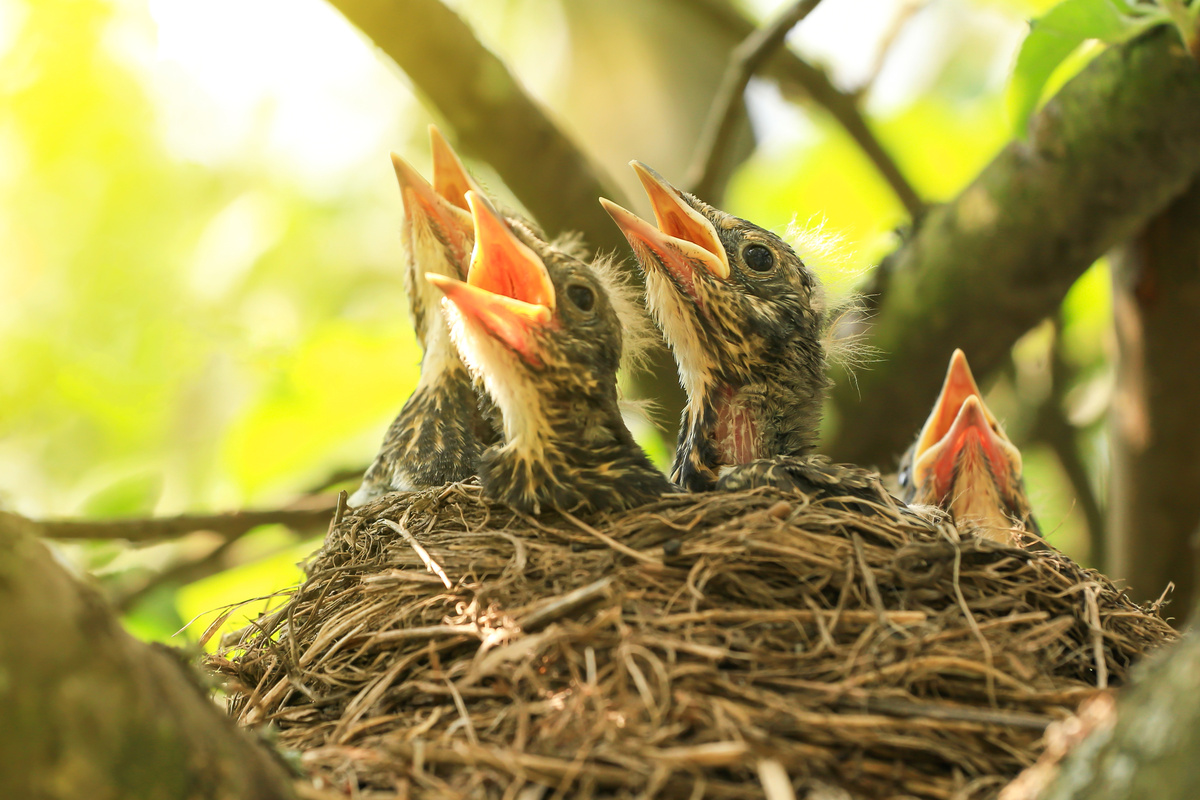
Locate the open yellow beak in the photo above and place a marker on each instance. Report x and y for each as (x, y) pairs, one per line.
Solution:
(502, 263)
(424, 206)
(683, 237)
(508, 290)
(450, 178)
(961, 419)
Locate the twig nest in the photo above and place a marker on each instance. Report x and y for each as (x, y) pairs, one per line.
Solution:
(722, 645)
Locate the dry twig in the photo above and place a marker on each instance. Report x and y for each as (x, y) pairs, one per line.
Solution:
(233, 524)
(744, 61)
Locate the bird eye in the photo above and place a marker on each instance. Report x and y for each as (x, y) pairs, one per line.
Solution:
(583, 297)
(758, 258)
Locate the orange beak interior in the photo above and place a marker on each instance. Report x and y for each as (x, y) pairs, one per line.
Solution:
(501, 263)
(683, 237)
(508, 290)
(678, 220)
(957, 387)
(960, 419)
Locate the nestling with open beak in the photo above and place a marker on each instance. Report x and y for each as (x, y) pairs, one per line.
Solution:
(745, 318)
(963, 463)
(441, 431)
(743, 315)
(544, 332)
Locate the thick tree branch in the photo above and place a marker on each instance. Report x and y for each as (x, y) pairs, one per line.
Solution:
(1145, 747)
(315, 514)
(712, 149)
(1116, 145)
(89, 711)
(801, 80)
(493, 118)
(1154, 439)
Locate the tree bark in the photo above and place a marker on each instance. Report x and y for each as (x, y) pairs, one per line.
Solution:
(88, 712)
(1154, 430)
(1117, 144)
(1147, 751)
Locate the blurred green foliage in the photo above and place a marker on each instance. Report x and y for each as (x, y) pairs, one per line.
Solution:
(202, 306)
(1063, 30)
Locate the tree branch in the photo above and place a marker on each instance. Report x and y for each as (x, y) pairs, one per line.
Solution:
(491, 114)
(1118, 761)
(799, 79)
(1052, 427)
(181, 572)
(713, 146)
(233, 524)
(1112, 149)
(91, 712)
(1154, 508)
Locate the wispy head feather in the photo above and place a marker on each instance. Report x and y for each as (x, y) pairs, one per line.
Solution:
(843, 307)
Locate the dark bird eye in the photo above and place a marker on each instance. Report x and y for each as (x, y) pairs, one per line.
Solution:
(583, 297)
(758, 258)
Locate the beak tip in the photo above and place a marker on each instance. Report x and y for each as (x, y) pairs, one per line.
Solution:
(478, 207)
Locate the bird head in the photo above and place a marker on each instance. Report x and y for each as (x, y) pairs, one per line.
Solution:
(543, 331)
(964, 463)
(731, 298)
(535, 324)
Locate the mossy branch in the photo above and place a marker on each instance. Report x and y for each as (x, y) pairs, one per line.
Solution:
(1116, 145)
(91, 712)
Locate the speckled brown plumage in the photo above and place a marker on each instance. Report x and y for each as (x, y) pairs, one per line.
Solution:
(746, 319)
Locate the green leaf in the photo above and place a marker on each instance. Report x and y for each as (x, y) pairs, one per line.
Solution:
(1060, 32)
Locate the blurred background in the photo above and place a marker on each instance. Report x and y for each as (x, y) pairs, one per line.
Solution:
(202, 306)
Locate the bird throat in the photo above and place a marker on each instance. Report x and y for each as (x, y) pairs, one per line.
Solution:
(737, 434)
(974, 499)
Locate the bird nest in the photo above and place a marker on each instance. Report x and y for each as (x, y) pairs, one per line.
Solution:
(736, 645)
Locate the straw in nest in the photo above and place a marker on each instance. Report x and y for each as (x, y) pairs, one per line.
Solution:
(722, 645)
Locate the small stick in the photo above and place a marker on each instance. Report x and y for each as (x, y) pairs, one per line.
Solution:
(1093, 609)
(413, 634)
(868, 576)
(468, 726)
(775, 781)
(565, 604)
(983, 642)
(611, 542)
(430, 564)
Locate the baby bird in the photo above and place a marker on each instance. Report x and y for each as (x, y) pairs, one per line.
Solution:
(744, 318)
(544, 333)
(441, 431)
(963, 463)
